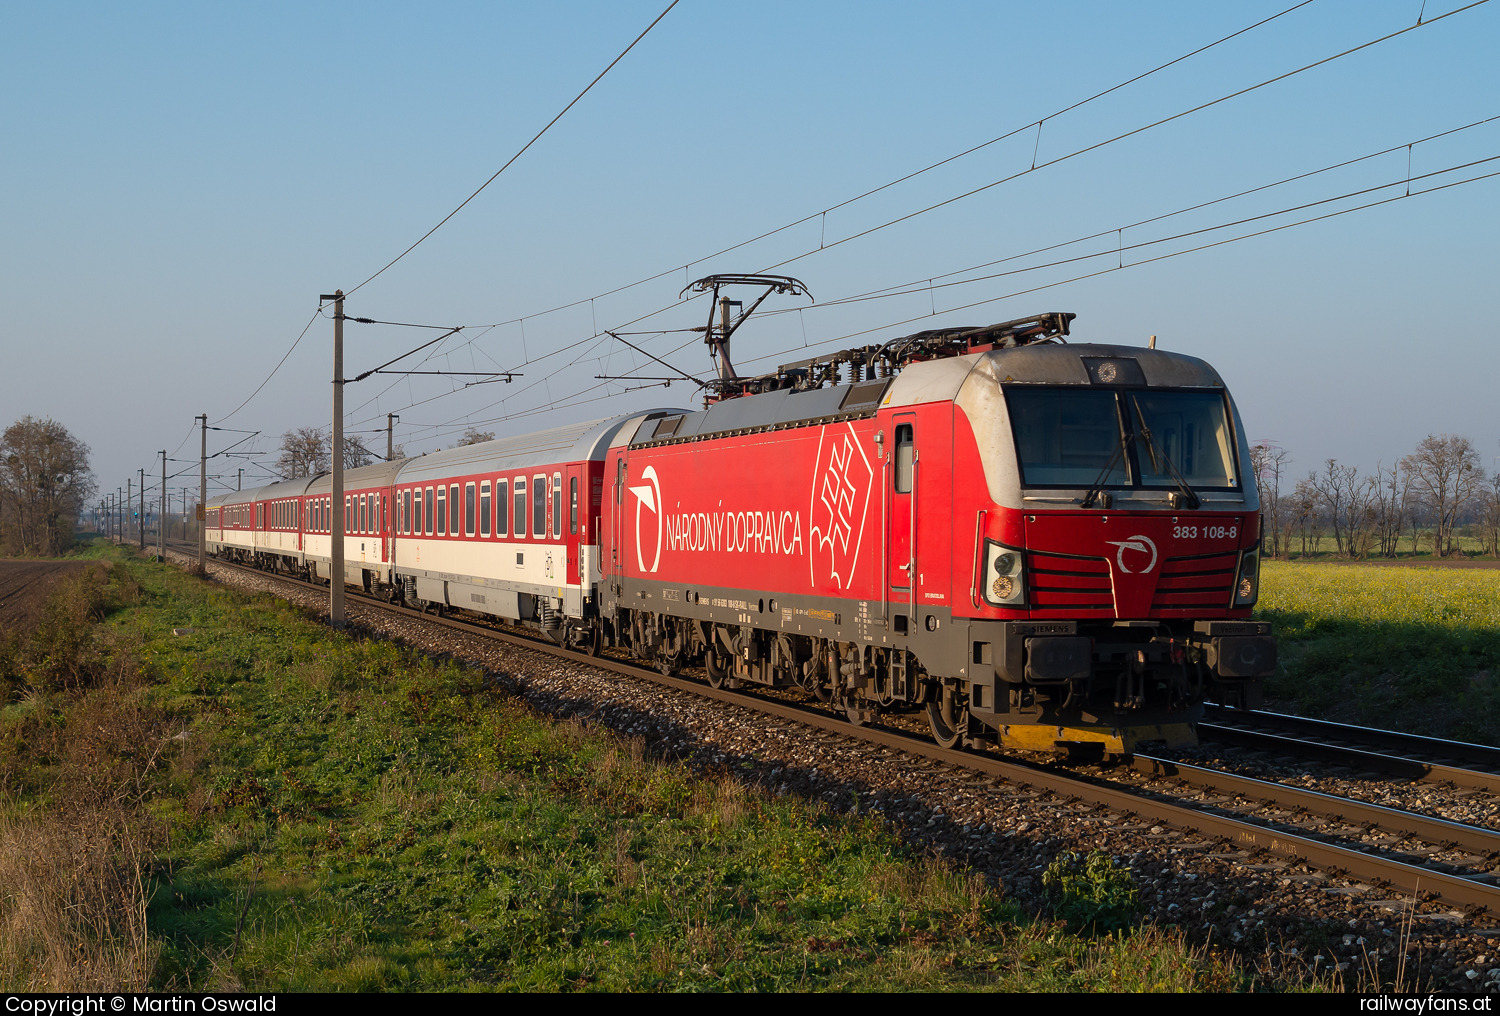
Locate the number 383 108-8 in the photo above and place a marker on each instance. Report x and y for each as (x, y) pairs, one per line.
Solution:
(1205, 532)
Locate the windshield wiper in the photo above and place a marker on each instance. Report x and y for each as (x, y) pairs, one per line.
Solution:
(1159, 457)
(1096, 491)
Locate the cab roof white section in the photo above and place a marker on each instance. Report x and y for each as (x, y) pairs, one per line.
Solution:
(1051, 363)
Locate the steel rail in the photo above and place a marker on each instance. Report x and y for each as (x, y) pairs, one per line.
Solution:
(1417, 746)
(1428, 828)
(1457, 890)
(1394, 765)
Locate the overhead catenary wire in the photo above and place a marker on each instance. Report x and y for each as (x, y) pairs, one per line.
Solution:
(1029, 125)
(585, 341)
(518, 154)
(807, 218)
(1059, 159)
(1116, 248)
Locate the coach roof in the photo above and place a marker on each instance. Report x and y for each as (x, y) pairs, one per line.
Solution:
(574, 442)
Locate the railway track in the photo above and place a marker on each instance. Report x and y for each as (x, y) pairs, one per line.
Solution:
(1419, 855)
(1362, 749)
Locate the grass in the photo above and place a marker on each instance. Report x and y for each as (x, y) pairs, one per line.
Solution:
(260, 804)
(1414, 649)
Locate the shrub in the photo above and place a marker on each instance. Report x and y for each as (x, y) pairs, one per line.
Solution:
(1093, 893)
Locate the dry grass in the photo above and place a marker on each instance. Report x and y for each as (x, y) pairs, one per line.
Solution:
(73, 903)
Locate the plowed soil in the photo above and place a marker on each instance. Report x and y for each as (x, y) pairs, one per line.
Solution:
(24, 587)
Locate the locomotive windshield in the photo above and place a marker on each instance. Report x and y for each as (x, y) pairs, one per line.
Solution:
(1122, 438)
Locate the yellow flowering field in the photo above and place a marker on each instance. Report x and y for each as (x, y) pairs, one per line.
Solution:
(1336, 593)
(1410, 648)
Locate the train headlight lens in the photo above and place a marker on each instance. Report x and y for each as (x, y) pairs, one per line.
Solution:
(1004, 581)
(1247, 583)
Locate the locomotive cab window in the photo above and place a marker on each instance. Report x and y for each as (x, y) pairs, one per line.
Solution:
(1188, 430)
(1126, 438)
(905, 458)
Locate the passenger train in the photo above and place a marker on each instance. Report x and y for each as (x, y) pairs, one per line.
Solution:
(1040, 544)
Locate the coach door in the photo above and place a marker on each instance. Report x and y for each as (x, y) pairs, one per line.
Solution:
(572, 523)
(901, 520)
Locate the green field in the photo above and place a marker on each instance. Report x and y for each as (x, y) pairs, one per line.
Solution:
(1412, 648)
(256, 803)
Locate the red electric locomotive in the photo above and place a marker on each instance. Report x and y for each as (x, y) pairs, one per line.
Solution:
(1045, 545)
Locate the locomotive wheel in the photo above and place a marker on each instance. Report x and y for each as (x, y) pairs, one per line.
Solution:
(717, 665)
(588, 639)
(949, 722)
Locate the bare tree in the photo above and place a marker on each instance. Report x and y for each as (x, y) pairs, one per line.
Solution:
(304, 452)
(1267, 462)
(472, 436)
(356, 454)
(1304, 513)
(1446, 478)
(1489, 515)
(44, 482)
(1392, 506)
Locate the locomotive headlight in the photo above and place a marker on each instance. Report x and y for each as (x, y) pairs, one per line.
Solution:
(1004, 579)
(1247, 581)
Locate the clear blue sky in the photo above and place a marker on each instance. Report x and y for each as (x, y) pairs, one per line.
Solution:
(181, 182)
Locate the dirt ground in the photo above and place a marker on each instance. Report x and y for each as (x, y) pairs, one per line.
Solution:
(24, 586)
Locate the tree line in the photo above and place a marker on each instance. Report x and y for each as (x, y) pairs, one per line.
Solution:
(1426, 500)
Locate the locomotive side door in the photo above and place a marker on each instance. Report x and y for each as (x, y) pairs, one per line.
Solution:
(616, 563)
(901, 521)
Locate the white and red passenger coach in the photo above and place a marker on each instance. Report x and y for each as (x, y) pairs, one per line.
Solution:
(1042, 544)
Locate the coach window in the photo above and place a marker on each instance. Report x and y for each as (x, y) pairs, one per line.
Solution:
(364, 513)
(427, 519)
(416, 518)
(573, 504)
(557, 504)
(484, 508)
(905, 458)
(380, 515)
(502, 507)
(453, 509)
(519, 491)
(538, 506)
(442, 511)
(468, 509)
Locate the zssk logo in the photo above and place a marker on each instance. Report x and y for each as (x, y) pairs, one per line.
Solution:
(1141, 544)
(647, 498)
